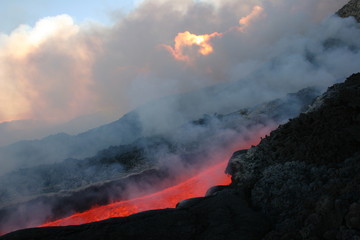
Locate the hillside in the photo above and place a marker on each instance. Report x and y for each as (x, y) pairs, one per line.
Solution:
(196, 144)
(303, 179)
(304, 176)
(158, 117)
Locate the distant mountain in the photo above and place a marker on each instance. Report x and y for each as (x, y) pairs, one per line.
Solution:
(58, 147)
(19, 130)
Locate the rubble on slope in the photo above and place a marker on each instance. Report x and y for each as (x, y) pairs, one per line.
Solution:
(304, 176)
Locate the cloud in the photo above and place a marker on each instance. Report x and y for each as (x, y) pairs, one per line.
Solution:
(45, 71)
(58, 70)
(247, 20)
(187, 39)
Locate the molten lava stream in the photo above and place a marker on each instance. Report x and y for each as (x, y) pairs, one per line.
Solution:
(167, 198)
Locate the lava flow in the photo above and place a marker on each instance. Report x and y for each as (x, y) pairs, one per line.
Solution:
(167, 198)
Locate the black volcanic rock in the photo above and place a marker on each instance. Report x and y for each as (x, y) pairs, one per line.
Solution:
(352, 8)
(304, 176)
(224, 215)
(327, 134)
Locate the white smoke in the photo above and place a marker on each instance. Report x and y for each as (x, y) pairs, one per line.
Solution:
(57, 70)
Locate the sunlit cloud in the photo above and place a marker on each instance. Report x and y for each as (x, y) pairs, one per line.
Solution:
(184, 41)
(57, 70)
(43, 67)
(187, 40)
(256, 13)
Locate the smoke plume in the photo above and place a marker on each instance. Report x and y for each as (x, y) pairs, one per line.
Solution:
(186, 57)
(58, 70)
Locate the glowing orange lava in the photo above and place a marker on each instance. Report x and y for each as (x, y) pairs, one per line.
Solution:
(186, 39)
(168, 198)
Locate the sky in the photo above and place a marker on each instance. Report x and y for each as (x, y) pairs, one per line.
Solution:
(17, 12)
(62, 60)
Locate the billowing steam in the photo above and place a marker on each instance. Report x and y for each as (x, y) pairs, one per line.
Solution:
(58, 70)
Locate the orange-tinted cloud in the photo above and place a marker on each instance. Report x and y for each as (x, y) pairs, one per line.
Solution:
(44, 71)
(186, 39)
(59, 70)
(256, 13)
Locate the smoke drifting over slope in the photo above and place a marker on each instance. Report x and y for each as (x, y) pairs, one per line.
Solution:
(76, 185)
(58, 70)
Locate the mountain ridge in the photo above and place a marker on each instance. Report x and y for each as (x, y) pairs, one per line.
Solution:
(303, 175)
(351, 9)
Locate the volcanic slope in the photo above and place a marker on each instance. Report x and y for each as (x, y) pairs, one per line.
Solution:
(305, 175)
(303, 178)
(77, 185)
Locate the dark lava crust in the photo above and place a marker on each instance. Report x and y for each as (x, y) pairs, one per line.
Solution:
(305, 175)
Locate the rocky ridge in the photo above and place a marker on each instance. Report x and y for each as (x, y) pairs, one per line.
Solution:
(352, 8)
(304, 176)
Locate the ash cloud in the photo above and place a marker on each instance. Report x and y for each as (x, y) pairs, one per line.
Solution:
(58, 70)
